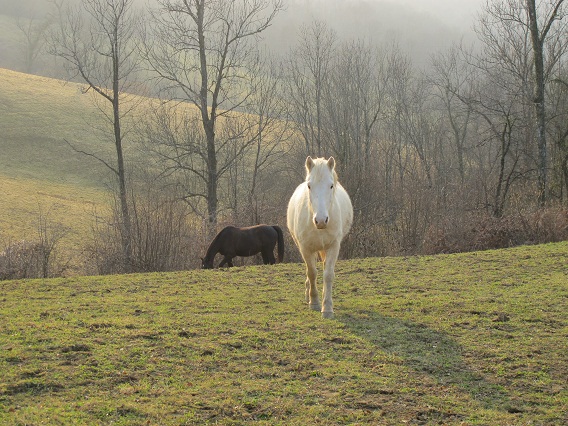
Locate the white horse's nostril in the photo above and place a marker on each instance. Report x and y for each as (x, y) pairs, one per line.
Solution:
(320, 223)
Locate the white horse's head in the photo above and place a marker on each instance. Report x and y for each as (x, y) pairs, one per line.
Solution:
(321, 180)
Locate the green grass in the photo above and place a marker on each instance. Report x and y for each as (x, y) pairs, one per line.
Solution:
(467, 339)
(37, 115)
(39, 170)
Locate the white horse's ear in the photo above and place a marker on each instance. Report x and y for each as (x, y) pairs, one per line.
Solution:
(331, 163)
(309, 163)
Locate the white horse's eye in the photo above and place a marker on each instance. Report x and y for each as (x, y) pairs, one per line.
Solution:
(309, 187)
(331, 186)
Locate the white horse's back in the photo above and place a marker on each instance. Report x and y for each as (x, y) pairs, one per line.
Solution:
(319, 216)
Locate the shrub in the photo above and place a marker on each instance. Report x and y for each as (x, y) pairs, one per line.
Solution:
(483, 232)
(164, 236)
(22, 259)
(36, 257)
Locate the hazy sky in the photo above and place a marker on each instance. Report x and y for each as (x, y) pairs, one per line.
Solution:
(453, 12)
(420, 27)
(456, 13)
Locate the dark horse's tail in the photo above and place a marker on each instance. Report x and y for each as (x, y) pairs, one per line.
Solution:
(280, 243)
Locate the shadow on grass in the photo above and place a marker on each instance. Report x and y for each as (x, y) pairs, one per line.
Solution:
(429, 352)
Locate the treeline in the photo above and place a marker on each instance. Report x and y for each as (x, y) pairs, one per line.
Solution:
(468, 153)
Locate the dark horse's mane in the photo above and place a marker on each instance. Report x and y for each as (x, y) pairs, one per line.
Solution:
(232, 241)
(214, 246)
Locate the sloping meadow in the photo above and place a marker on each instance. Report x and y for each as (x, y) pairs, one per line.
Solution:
(476, 338)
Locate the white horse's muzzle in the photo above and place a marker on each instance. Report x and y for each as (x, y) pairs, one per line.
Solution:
(321, 222)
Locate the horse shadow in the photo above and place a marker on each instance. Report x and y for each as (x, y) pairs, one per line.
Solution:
(429, 352)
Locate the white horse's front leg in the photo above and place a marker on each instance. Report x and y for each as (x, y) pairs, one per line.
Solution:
(328, 276)
(312, 296)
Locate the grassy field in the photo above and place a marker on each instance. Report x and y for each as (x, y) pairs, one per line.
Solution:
(478, 338)
(39, 171)
(37, 115)
(68, 208)
(467, 339)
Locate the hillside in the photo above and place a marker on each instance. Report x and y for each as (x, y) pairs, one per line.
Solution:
(38, 170)
(475, 338)
(37, 115)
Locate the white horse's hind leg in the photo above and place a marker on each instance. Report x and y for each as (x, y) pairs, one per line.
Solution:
(312, 296)
(328, 277)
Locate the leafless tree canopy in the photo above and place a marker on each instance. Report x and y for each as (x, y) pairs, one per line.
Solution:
(97, 41)
(203, 53)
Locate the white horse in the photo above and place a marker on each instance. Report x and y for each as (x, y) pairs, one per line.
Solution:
(319, 215)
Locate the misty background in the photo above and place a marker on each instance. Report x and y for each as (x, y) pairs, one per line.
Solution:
(419, 27)
(448, 119)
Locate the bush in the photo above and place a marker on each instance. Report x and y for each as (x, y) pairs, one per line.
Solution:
(164, 236)
(29, 259)
(488, 232)
(22, 259)
(35, 257)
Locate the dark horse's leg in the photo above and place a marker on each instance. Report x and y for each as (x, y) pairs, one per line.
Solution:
(226, 260)
(268, 257)
(268, 241)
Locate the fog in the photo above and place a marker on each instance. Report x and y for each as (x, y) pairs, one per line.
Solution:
(451, 12)
(419, 27)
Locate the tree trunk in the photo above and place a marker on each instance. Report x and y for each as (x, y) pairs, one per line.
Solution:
(537, 44)
(126, 223)
(537, 39)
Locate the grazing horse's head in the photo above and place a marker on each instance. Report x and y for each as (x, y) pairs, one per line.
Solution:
(321, 181)
(206, 263)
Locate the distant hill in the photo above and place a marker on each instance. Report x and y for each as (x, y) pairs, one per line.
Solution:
(37, 115)
(38, 168)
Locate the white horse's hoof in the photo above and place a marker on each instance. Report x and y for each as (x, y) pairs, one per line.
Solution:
(327, 314)
(315, 306)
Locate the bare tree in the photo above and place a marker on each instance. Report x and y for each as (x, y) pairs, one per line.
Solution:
(96, 39)
(33, 32)
(526, 40)
(502, 140)
(202, 51)
(452, 79)
(269, 128)
(558, 129)
(540, 31)
(309, 69)
(352, 100)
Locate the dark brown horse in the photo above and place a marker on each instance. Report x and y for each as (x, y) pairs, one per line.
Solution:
(233, 241)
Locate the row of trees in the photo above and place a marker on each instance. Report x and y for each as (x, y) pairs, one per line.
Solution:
(428, 156)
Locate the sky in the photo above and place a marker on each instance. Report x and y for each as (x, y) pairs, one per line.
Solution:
(420, 27)
(452, 12)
